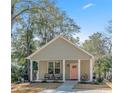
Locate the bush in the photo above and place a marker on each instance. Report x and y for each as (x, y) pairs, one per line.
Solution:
(44, 81)
(96, 82)
(99, 80)
(15, 75)
(55, 81)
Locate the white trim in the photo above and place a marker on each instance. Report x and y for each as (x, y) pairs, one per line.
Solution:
(91, 70)
(79, 70)
(31, 65)
(60, 59)
(63, 70)
(54, 65)
(60, 36)
(47, 66)
(60, 66)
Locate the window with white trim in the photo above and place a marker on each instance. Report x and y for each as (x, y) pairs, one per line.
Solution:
(50, 68)
(54, 67)
(57, 67)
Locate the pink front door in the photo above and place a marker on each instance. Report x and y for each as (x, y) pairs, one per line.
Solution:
(73, 71)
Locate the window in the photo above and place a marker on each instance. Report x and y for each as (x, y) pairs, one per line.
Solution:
(57, 67)
(35, 65)
(50, 68)
(54, 67)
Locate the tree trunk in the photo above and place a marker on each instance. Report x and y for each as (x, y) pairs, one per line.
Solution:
(28, 65)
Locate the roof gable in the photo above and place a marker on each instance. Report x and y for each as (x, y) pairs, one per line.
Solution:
(59, 48)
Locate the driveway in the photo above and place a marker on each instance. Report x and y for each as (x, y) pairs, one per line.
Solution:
(67, 87)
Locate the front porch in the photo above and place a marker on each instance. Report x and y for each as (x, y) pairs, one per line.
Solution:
(62, 57)
(61, 70)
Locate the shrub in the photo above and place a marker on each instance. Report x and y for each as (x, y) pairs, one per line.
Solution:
(44, 81)
(55, 81)
(99, 80)
(15, 75)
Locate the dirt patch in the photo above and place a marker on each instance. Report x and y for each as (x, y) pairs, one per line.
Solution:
(91, 86)
(32, 87)
(109, 84)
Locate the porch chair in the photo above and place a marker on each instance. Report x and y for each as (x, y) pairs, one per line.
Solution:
(51, 76)
(84, 77)
(58, 76)
(46, 76)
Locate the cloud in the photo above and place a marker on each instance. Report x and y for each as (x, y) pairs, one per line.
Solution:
(88, 5)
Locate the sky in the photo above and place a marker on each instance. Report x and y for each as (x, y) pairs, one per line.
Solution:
(90, 15)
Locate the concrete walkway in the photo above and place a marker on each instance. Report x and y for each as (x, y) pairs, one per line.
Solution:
(67, 87)
(64, 88)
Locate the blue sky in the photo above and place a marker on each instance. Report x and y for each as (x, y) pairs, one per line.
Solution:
(91, 15)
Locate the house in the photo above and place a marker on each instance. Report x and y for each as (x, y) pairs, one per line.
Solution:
(62, 59)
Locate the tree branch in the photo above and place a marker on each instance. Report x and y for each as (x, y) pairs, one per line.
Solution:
(19, 13)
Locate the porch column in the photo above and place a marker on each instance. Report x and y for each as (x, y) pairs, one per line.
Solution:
(91, 70)
(31, 66)
(63, 70)
(79, 70)
(38, 70)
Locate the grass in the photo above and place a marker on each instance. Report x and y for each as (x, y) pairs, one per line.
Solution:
(92, 86)
(32, 87)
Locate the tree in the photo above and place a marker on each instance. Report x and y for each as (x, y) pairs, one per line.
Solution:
(20, 7)
(97, 45)
(109, 36)
(34, 23)
(109, 42)
(103, 66)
